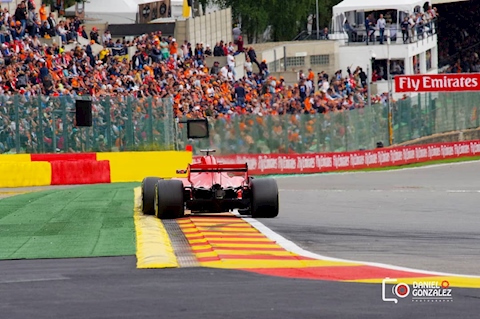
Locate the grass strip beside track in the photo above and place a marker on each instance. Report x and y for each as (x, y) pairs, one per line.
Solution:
(85, 221)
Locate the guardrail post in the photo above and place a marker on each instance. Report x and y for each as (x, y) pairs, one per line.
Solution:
(454, 110)
(40, 128)
(86, 131)
(108, 131)
(318, 131)
(150, 121)
(130, 134)
(16, 104)
(477, 115)
(65, 124)
(345, 127)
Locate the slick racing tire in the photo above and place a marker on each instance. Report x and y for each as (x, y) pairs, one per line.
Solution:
(264, 200)
(148, 195)
(169, 202)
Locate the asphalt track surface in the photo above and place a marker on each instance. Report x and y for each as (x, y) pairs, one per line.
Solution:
(426, 218)
(420, 218)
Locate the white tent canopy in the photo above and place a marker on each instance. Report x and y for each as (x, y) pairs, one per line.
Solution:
(109, 11)
(375, 5)
(445, 1)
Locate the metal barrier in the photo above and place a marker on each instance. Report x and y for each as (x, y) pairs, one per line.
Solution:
(124, 123)
(358, 35)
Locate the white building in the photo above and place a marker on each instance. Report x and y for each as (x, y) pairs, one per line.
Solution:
(127, 11)
(419, 55)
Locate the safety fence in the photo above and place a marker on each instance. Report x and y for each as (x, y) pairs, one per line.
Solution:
(359, 129)
(125, 123)
(45, 124)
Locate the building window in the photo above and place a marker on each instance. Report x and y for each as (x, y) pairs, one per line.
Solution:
(296, 61)
(323, 59)
(278, 64)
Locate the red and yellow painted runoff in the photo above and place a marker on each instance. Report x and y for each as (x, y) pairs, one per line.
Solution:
(231, 242)
(226, 241)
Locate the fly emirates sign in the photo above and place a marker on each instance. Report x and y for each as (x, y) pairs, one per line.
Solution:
(437, 83)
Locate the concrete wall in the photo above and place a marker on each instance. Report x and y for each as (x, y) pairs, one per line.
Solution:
(209, 29)
(290, 77)
(466, 135)
(294, 56)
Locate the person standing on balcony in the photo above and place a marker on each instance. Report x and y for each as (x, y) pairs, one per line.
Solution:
(369, 28)
(405, 25)
(411, 27)
(309, 24)
(352, 34)
(381, 24)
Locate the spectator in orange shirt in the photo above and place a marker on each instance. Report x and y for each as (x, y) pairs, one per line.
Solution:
(173, 48)
(43, 13)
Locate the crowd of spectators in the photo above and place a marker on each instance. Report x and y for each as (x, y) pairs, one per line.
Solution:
(45, 78)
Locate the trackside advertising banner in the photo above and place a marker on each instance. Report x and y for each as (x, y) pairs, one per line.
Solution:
(437, 83)
(266, 164)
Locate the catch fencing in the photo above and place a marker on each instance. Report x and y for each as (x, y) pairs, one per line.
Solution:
(125, 123)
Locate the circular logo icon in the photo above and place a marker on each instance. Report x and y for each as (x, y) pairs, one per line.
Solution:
(445, 284)
(401, 290)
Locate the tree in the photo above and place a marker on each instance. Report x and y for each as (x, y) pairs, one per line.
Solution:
(66, 3)
(287, 18)
(254, 14)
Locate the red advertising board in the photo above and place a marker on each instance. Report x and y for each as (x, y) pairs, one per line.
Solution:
(461, 82)
(268, 164)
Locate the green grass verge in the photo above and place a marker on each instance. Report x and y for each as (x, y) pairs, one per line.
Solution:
(85, 221)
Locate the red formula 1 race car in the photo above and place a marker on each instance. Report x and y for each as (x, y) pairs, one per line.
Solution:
(210, 188)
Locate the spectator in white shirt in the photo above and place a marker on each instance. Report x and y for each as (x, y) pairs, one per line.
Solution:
(61, 31)
(231, 62)
(106, 37)
(248, 67)
(381, 24)
(224, 72)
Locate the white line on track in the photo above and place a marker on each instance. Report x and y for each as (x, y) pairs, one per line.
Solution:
(463, 191)
(292, 247)
(14, 281)
(395, 169)
(379, 190)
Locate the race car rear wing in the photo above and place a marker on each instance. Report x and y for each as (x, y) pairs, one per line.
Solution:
(216, 168)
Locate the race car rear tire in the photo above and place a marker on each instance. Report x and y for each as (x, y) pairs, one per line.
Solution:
(169, 202)
(264, 200)
(148, 195)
